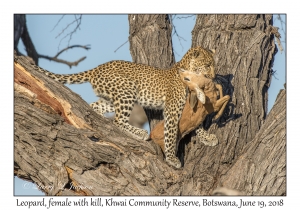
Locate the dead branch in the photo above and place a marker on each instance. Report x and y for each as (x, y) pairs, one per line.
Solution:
(57, 22)
(281, 23)
(26, 39)
(70, 64)
(87, 47)
(121, 46)
(185, 17)
(78, 21)
(22, 32)
(176, 33)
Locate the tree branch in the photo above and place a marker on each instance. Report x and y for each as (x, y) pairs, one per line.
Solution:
(87, 47)
(60, 141)
(22, 32)
(121, 46)
(176, 33)
(78, 21)
(30, 49)
(57, 22)
(70, 64)
(185, 17)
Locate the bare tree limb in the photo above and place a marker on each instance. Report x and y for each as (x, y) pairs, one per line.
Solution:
(22, 32)
(87, 47)
(185, 17)
(176, 33)
(281, 23)
(58, 22)
(69, 25)
(19, 24)
(274, 30)
(121, 46)
(78, 21)
(70, 64)
(26, 39)
(277, 34)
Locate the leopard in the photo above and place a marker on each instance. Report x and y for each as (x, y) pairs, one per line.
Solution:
(120, 84)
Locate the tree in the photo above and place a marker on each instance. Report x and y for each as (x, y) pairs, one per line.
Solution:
(245, 51)
(64, 144)
(21, 32)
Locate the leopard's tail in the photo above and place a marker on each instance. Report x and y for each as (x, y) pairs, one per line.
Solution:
(67, 78)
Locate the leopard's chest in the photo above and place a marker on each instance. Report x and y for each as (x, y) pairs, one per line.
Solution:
(155, 97)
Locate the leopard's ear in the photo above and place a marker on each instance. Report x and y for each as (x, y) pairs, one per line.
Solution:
(193, 99)
(196, 53)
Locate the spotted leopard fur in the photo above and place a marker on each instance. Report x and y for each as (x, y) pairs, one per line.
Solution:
(120, 84)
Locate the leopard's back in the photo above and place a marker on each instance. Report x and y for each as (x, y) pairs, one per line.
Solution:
(149, 84)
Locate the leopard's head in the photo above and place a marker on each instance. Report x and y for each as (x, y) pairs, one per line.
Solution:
(199, 60)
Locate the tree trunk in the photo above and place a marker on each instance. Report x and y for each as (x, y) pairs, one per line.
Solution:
(19, 25)
(151, 44)
(261, 169)
(63, 146)
(20, 31)
(244, 56)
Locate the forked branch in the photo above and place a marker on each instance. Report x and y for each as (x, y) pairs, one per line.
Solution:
(70, 64)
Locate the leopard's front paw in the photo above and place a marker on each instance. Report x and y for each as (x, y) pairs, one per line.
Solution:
(141, 135)
(144, 135)
(174, 162)
(212, 140)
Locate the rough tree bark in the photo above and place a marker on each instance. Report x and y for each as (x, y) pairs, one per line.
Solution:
(60, 142)
(261, 169)
(244, 56)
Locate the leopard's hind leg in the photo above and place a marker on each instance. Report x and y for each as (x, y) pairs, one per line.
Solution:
(123, 105)
(205, 137)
